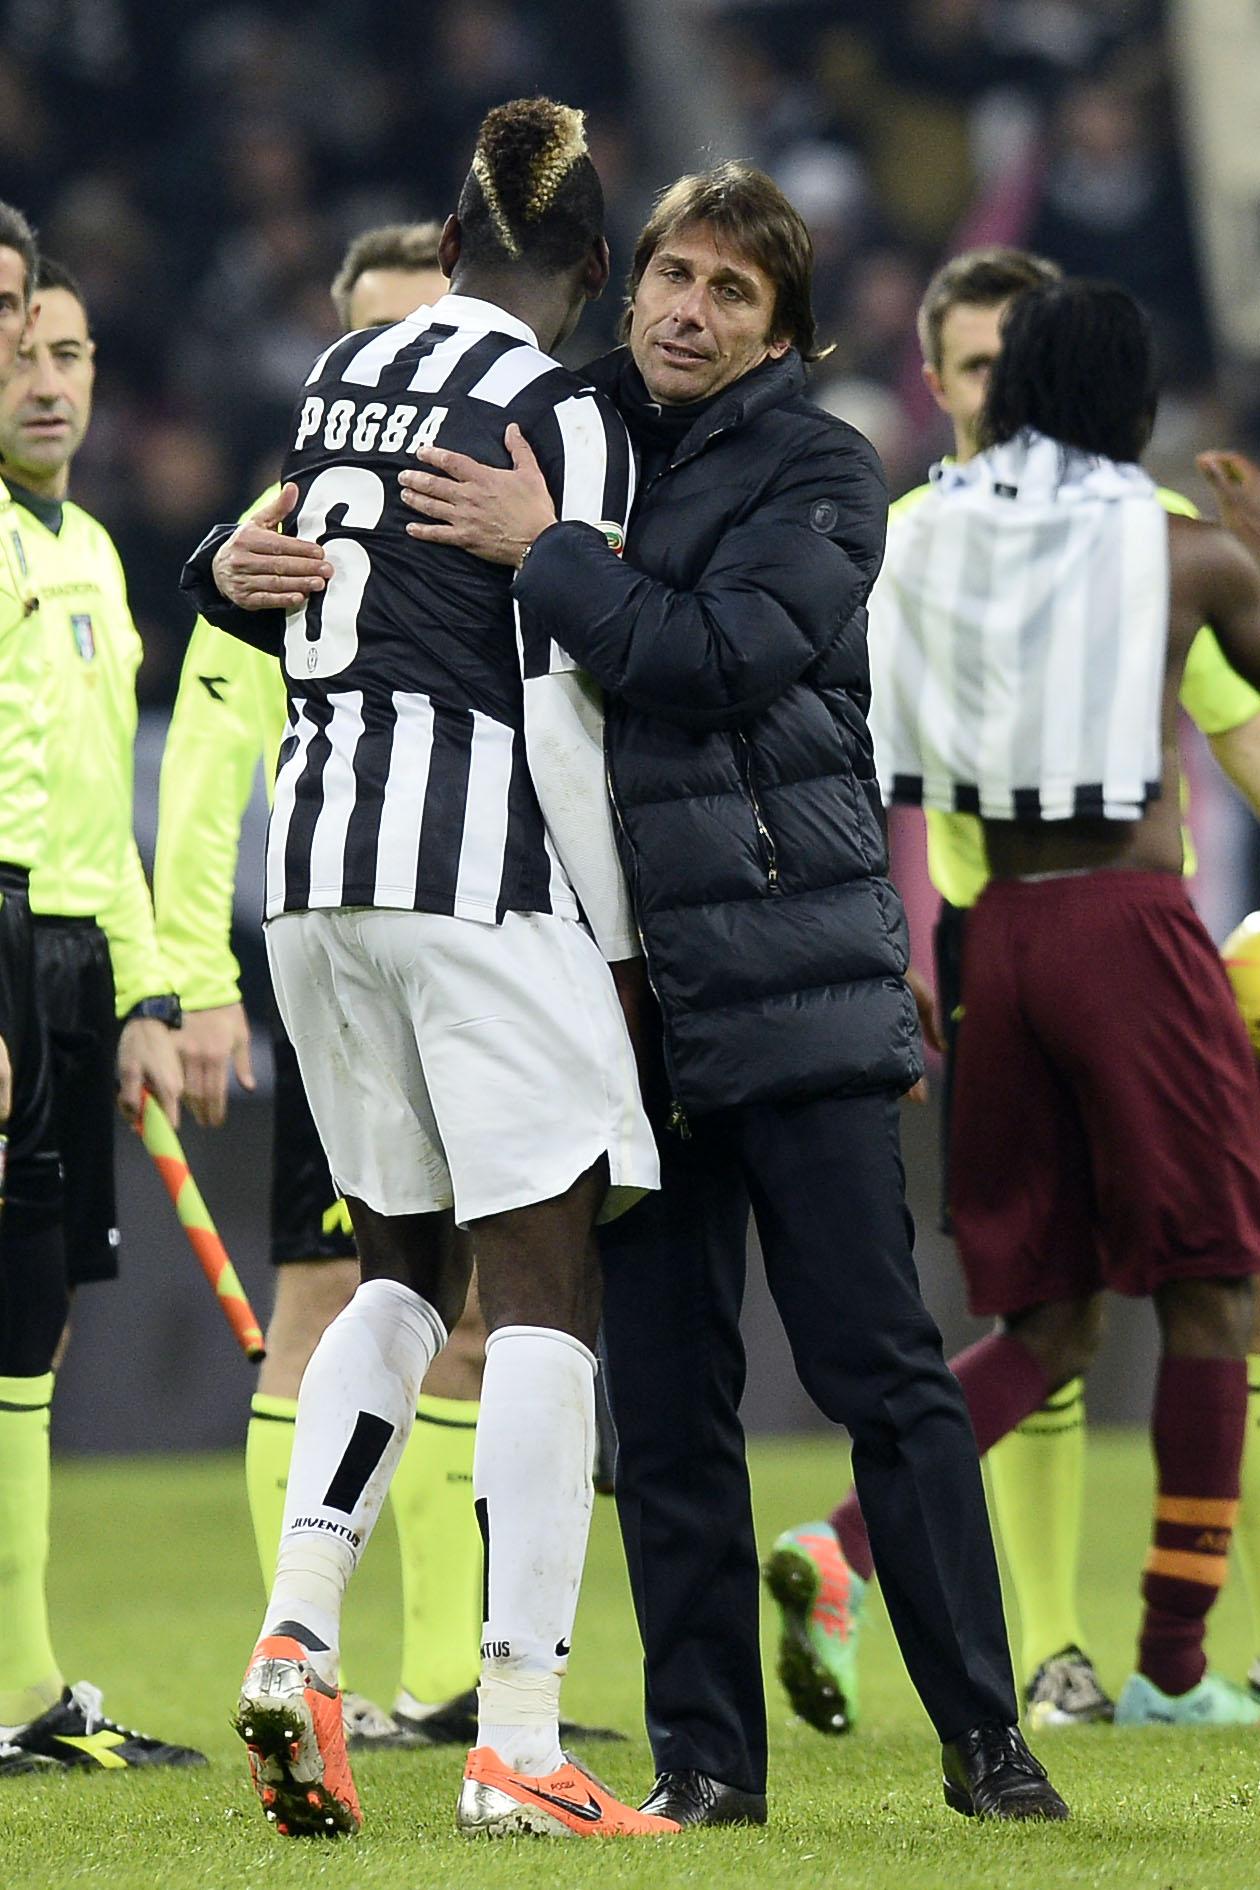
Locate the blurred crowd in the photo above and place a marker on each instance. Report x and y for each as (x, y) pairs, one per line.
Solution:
(201, 170)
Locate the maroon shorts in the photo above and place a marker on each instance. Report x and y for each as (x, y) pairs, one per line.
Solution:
(1106, 1107)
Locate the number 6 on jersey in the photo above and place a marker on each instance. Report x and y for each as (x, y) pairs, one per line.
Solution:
(322, 636)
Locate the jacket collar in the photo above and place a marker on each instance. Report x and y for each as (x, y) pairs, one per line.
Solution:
(766, 386)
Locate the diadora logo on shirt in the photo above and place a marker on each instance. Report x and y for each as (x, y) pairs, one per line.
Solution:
(84, 635)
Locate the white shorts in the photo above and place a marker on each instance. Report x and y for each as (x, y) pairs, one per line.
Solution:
(451, 1064)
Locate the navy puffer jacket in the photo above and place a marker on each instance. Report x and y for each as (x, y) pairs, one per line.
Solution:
(731, 642)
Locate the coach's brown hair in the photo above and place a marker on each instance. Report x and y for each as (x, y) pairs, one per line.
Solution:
(748, 209)
(981, 278)
(391, 246)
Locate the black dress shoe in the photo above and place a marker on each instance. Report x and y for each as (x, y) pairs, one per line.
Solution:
(695, 1798)
(990, 1773)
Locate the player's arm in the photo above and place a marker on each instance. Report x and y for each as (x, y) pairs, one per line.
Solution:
(6, 1085)
(1226, 576)
(564, 710)
(228, 713)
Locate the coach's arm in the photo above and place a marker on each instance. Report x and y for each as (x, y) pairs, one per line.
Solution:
(782, 583)
(244, 577)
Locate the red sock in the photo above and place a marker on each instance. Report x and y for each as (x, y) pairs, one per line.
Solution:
(1197, 1429)
(1003, 1384)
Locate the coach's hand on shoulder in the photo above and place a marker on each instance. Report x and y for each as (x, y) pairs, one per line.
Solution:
(1235, 483)
(6, 1083)
(491, 511)
(207, 1043)
(259, 569)
(148, 1059)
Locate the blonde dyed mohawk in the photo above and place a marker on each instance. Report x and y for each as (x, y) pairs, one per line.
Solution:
(525, 151)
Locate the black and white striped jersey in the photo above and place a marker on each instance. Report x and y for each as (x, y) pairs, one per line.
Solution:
(402, 778)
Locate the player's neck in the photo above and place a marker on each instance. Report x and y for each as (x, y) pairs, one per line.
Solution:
(542, 304)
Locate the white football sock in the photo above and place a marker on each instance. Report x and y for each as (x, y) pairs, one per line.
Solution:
(532, 1483)
(355, 1411)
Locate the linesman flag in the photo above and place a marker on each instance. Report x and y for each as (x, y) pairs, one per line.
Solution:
(172, 1164)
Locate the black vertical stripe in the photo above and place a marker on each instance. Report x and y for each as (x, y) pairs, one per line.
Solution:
(371, 772)
(481, 1509)
(362, 1454)
(442, 830)
(308, 801)
(527, 883)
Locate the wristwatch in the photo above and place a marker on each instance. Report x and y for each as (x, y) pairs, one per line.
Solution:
(163, 1010)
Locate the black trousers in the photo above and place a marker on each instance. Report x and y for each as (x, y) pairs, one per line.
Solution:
(825, 1182)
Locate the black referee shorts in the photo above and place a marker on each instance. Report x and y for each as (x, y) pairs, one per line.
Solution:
(947, 949)
(76, 994)
(32, 1190)
(308, 1221)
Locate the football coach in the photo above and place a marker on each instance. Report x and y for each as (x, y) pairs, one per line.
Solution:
(779, 1033)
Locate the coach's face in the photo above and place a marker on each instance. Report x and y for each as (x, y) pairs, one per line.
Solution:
(14, 307)
(703, 317)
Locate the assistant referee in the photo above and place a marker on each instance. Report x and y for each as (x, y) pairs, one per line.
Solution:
(79, 654)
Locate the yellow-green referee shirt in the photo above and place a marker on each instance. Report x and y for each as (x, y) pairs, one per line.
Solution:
(230, 713)
(1213, 695)
(87, 865)
(23, 696)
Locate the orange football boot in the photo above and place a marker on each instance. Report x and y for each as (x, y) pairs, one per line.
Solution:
(497, 1802)
(291, 1723)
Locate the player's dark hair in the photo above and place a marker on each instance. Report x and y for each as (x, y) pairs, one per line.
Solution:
(532, 197)
(54, 275)
(979, 278)
(17, 234)
(749, 211)
(1077, 362)
(411, 246)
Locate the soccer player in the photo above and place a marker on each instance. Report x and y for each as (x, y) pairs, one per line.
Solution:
(456, 1028)
(1037, 1472)
(230, 714)
(1106, 1119)
(85, 865)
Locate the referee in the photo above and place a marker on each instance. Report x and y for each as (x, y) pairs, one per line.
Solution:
(84, 653)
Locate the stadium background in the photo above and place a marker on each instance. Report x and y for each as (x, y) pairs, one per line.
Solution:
(201, 170)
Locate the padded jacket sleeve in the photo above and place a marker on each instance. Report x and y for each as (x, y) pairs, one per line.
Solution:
(780, 586)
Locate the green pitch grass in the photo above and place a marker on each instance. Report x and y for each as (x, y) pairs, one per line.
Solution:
(156, 1599)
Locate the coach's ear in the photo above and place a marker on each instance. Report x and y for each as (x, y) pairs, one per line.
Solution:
(450, 243)
(598, 269)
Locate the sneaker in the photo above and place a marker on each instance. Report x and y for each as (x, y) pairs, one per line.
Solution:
(455, 1723)
(1253, 1678)
(1065, 1691)
(820, 1601)
(13, 1761)
(1214, 1702)
(369, 1728)
(76, 1732)
(291, 1723)
(497, 1802)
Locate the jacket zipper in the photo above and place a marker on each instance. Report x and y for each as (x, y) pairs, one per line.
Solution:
(769, 852)
(676, 1119)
